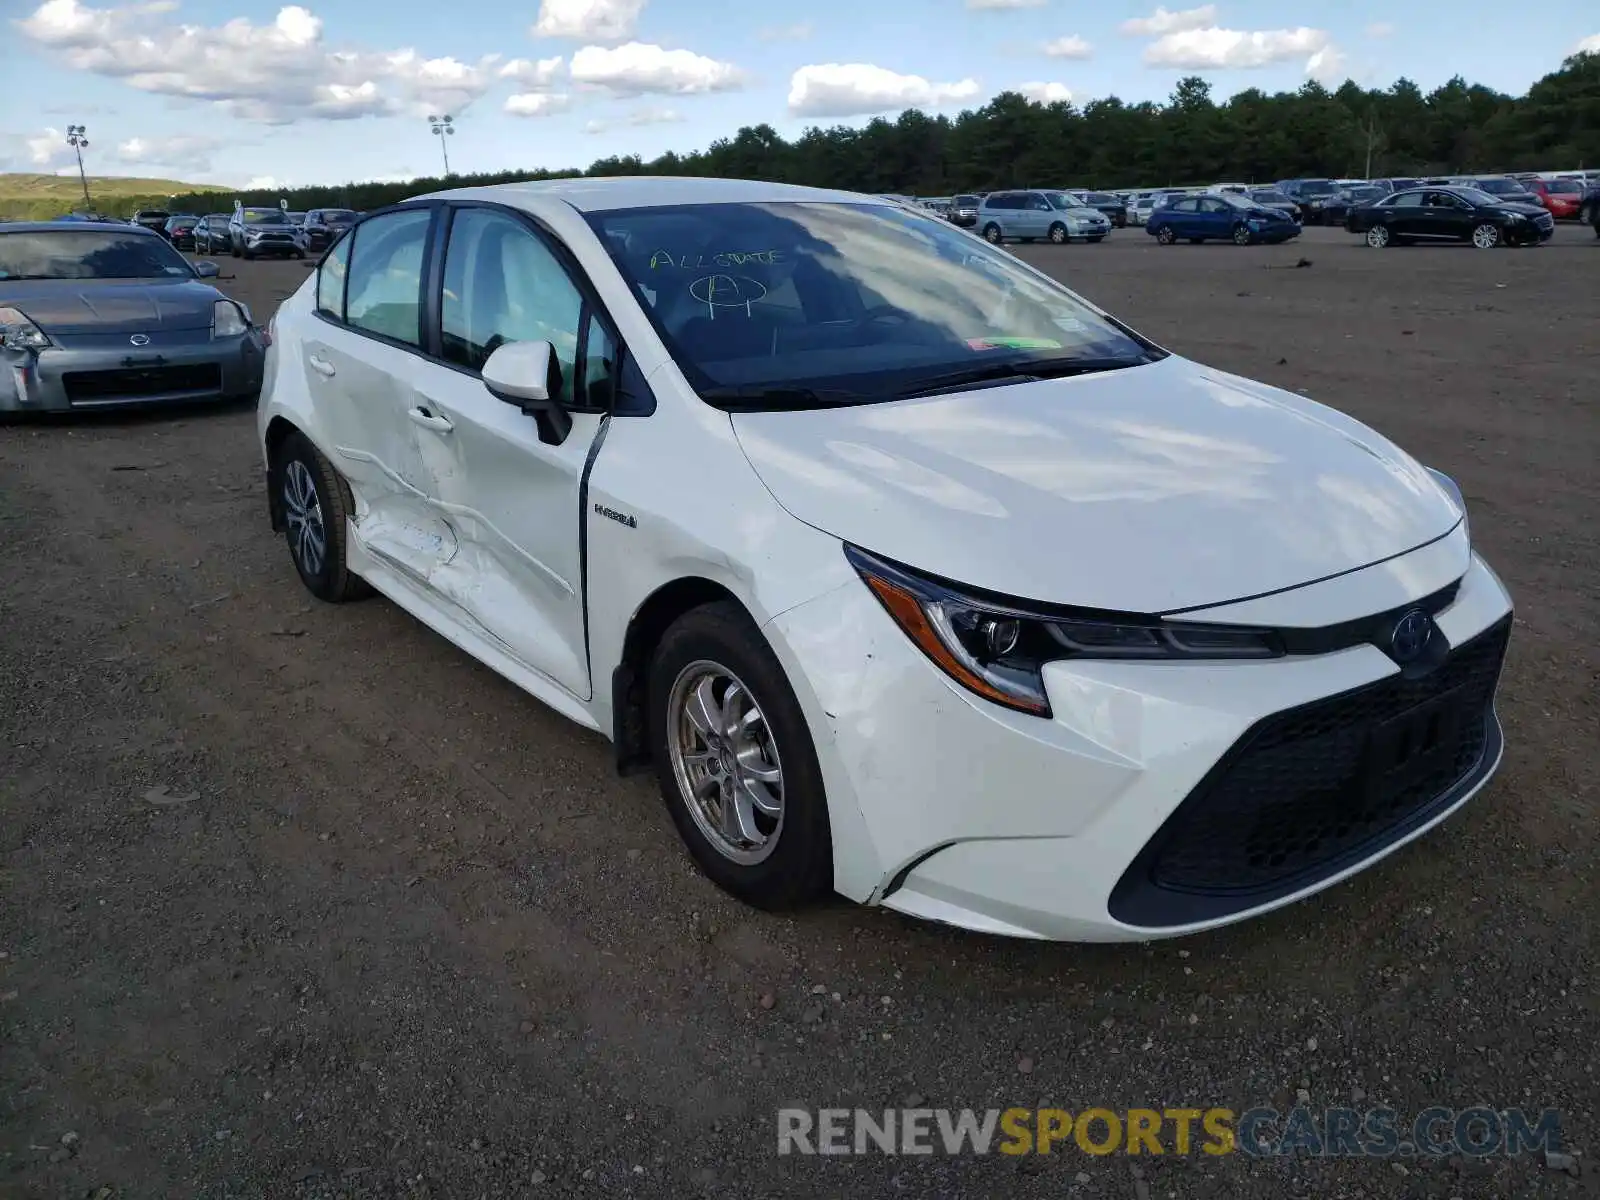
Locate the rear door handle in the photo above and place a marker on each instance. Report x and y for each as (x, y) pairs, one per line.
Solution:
(321, 366)
(429, 420)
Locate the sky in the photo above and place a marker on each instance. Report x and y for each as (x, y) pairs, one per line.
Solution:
(251, 93)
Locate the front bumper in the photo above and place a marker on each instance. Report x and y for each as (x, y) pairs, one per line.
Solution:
(107, 372)
(949, 808)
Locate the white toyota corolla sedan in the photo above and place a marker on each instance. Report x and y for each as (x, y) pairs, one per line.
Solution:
(910, 573)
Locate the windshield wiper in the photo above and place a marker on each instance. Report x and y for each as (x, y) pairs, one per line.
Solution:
(1025, 371)
(782, 399)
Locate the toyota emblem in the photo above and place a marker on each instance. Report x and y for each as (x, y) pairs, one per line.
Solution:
(140, 339)
(1411, 636)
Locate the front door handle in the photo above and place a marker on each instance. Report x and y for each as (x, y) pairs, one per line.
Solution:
(429, 420)
(321, 366)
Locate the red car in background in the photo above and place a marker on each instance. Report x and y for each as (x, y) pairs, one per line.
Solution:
(1561, 196)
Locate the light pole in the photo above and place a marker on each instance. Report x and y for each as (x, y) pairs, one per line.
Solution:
(444, 127)
(77, 138)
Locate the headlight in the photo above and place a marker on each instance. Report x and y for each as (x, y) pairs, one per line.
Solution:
(228, 319)
(19, 333)
(1453, 490)
(1515, 216)
(998, 649)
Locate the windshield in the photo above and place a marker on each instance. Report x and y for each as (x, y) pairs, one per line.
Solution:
(1062, 200)
(966, 202)
(262, 216)
(89, 254)
(337, 216)
(853, 297)
(1500, 187)
(1318, 187)
(1473, 196)
(1564, 186)
(1234, 199)
(183, 222)
(1364, 193)
(1269, 196)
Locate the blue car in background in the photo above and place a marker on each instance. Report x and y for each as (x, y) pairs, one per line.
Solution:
(1220, 216)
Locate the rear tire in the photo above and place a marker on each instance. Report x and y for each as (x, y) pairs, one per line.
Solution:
(1378, 237)
(1165, 236)
(316, 505)
(718, 647)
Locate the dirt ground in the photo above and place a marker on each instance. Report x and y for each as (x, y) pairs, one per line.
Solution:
(299, 901)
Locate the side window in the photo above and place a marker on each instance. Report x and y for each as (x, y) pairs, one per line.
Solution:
(330, 280)
(1409, 200)
(502, 283)
(1184, 205)
(385, 292)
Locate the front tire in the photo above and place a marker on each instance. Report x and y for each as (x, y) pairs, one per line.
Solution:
(1486, 236)
(1378, 237)
(991, 234)
(316, 507)
(1241, 235)
(1058, 233)
(735, 760)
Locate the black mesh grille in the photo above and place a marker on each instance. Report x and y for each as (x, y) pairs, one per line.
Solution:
(1312, 790)
(132, 383)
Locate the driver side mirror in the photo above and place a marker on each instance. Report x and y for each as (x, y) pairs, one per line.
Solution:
(527, 374)
(207, 270)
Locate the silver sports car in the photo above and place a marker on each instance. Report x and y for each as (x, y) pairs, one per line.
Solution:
(95, 315)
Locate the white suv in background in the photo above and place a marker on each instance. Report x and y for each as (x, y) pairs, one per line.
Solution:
(907, 571)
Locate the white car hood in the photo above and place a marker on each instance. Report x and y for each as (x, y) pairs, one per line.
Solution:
(1147, 489)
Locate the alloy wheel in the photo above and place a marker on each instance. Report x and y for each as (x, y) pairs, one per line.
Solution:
(302, 512)
(1241, 236)
(1486, 236)
(1378, 237)
(1058, 234)
(725, 762)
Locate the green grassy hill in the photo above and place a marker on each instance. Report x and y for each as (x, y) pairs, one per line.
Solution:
(36, 197)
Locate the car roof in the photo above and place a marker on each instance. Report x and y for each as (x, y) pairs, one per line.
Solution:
(648, 191)
(55, 227)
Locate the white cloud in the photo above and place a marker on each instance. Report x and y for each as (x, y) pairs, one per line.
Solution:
(1163, 22)
(188, 154)
(537, 104)
(1218, 49)
(1071, 46)
(1380, 29)
(592, 20)
(798, 32)
(1328, 66)
(1589, 45)
(638, 68)
(49, 151)
(265, 183)
(533, 76)
(638, 117)
(274, 73)
(856, 89)
(1046, 93)
(1005, 4)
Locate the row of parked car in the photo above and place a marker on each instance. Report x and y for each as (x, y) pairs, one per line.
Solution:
(1486, 210)
(250, 232)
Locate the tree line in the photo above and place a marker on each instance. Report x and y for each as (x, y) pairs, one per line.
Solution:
(1189, 139)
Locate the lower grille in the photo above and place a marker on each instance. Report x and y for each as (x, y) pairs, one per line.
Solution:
(1308, 792)
(135, 383)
